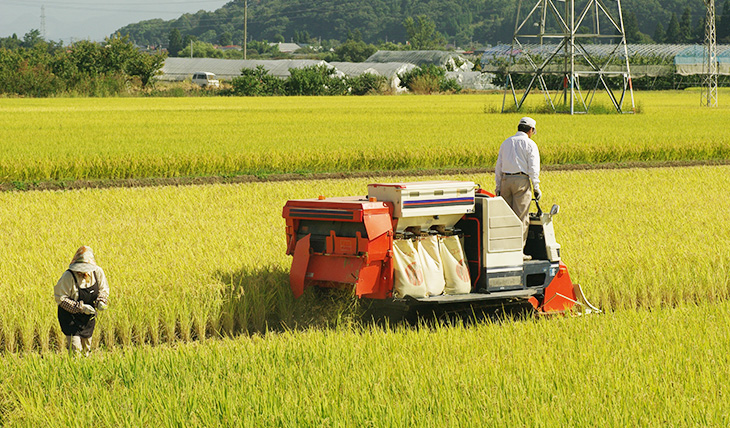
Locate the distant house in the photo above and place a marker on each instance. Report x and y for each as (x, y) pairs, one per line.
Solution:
(286, 47)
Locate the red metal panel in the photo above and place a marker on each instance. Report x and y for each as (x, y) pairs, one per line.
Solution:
(560, 294)
(299, 265)
(334, 268)
(377, 224)
(345, 246)
(368, 282)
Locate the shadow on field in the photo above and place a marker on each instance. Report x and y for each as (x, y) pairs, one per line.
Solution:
(259, 300)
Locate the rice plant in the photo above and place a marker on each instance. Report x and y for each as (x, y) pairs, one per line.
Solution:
(186, 263)
(120, 138)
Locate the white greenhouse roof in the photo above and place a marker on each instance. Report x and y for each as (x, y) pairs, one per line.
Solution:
(439, 58)
(656, 50)
(686, 59)
(387, 69)
(176, 69)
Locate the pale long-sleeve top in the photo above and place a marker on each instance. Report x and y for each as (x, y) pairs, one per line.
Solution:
(518, 153)
(66, 290)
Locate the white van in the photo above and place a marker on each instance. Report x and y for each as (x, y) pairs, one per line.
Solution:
(205, 79)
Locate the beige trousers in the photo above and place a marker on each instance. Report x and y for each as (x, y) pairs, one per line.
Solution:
(78, 344)
(516, 191)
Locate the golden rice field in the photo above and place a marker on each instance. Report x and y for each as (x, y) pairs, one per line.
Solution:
(66, 139)
(189, 262)
(665, 367)
(202, 329)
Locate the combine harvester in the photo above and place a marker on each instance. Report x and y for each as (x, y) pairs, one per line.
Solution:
(423, 248)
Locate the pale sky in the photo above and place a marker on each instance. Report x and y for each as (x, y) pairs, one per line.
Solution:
(75, 20)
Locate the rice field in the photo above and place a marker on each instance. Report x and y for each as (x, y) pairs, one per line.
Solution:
(68, 139)
(202, 329)
(665, 367)
(205, 261)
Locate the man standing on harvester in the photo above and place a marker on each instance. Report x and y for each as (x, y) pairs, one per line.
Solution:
(518, 163)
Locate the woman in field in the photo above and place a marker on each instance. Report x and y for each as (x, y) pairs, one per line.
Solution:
(81, 291)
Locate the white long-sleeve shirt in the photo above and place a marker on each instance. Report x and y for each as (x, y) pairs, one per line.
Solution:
(518, 153)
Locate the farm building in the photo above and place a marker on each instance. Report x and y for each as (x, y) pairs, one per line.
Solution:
(457, 66)
(645, 60)
(178, 69)
(389, 70)
(449, 60)
(286, 47)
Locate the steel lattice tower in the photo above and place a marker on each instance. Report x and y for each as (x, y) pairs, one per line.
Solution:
(709, 66)
(43, 22)
(534, 41)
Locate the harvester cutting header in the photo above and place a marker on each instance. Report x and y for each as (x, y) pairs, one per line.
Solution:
(434, 245)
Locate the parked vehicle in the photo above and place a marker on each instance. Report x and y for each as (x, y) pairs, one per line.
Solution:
(205, 79)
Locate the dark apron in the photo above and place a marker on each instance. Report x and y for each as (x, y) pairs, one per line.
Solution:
(80, 324)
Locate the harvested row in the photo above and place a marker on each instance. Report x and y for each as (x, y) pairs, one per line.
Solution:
(71, 139)
(629, 368)
(189, 262)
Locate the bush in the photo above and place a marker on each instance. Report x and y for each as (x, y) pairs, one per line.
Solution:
(366, 83)
(428, 79)
(314, 80)
(256, 82)
(84, 68)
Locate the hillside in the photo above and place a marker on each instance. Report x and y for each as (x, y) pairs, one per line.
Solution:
(462, 22)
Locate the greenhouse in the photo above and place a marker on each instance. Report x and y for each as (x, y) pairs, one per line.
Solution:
(178, 69)
(389, 70)
(644, 60)
(449, 60)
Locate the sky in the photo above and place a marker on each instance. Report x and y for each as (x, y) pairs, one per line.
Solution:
(73, 20)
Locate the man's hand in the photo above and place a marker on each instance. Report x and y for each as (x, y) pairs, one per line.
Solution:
(536, 191)
(101, 306)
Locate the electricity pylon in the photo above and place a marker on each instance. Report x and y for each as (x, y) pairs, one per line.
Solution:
(567, 34)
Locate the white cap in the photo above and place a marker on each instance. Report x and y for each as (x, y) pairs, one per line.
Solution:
(529, 122)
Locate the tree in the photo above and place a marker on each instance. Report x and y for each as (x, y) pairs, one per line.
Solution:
(685, 27)
(202, 50)
(422, 33)
(723, 24)
(225, 39)
(631, 28)
(354, 49)
(673, 32)
(32, 38)
(659, 34)
(175, 42)
(146, 66)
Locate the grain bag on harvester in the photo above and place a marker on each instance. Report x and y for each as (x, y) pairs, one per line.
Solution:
(429, 247)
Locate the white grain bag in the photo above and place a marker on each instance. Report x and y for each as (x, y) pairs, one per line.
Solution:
(408, 278)
(456, 272)
(433, 270)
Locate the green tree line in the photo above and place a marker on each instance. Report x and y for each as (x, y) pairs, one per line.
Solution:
(34, 67)
(460, 22)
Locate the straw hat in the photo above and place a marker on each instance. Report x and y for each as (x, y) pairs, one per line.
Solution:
(83, 260)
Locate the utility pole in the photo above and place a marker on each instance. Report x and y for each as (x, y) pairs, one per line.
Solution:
(709, 66)
(245, 27)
